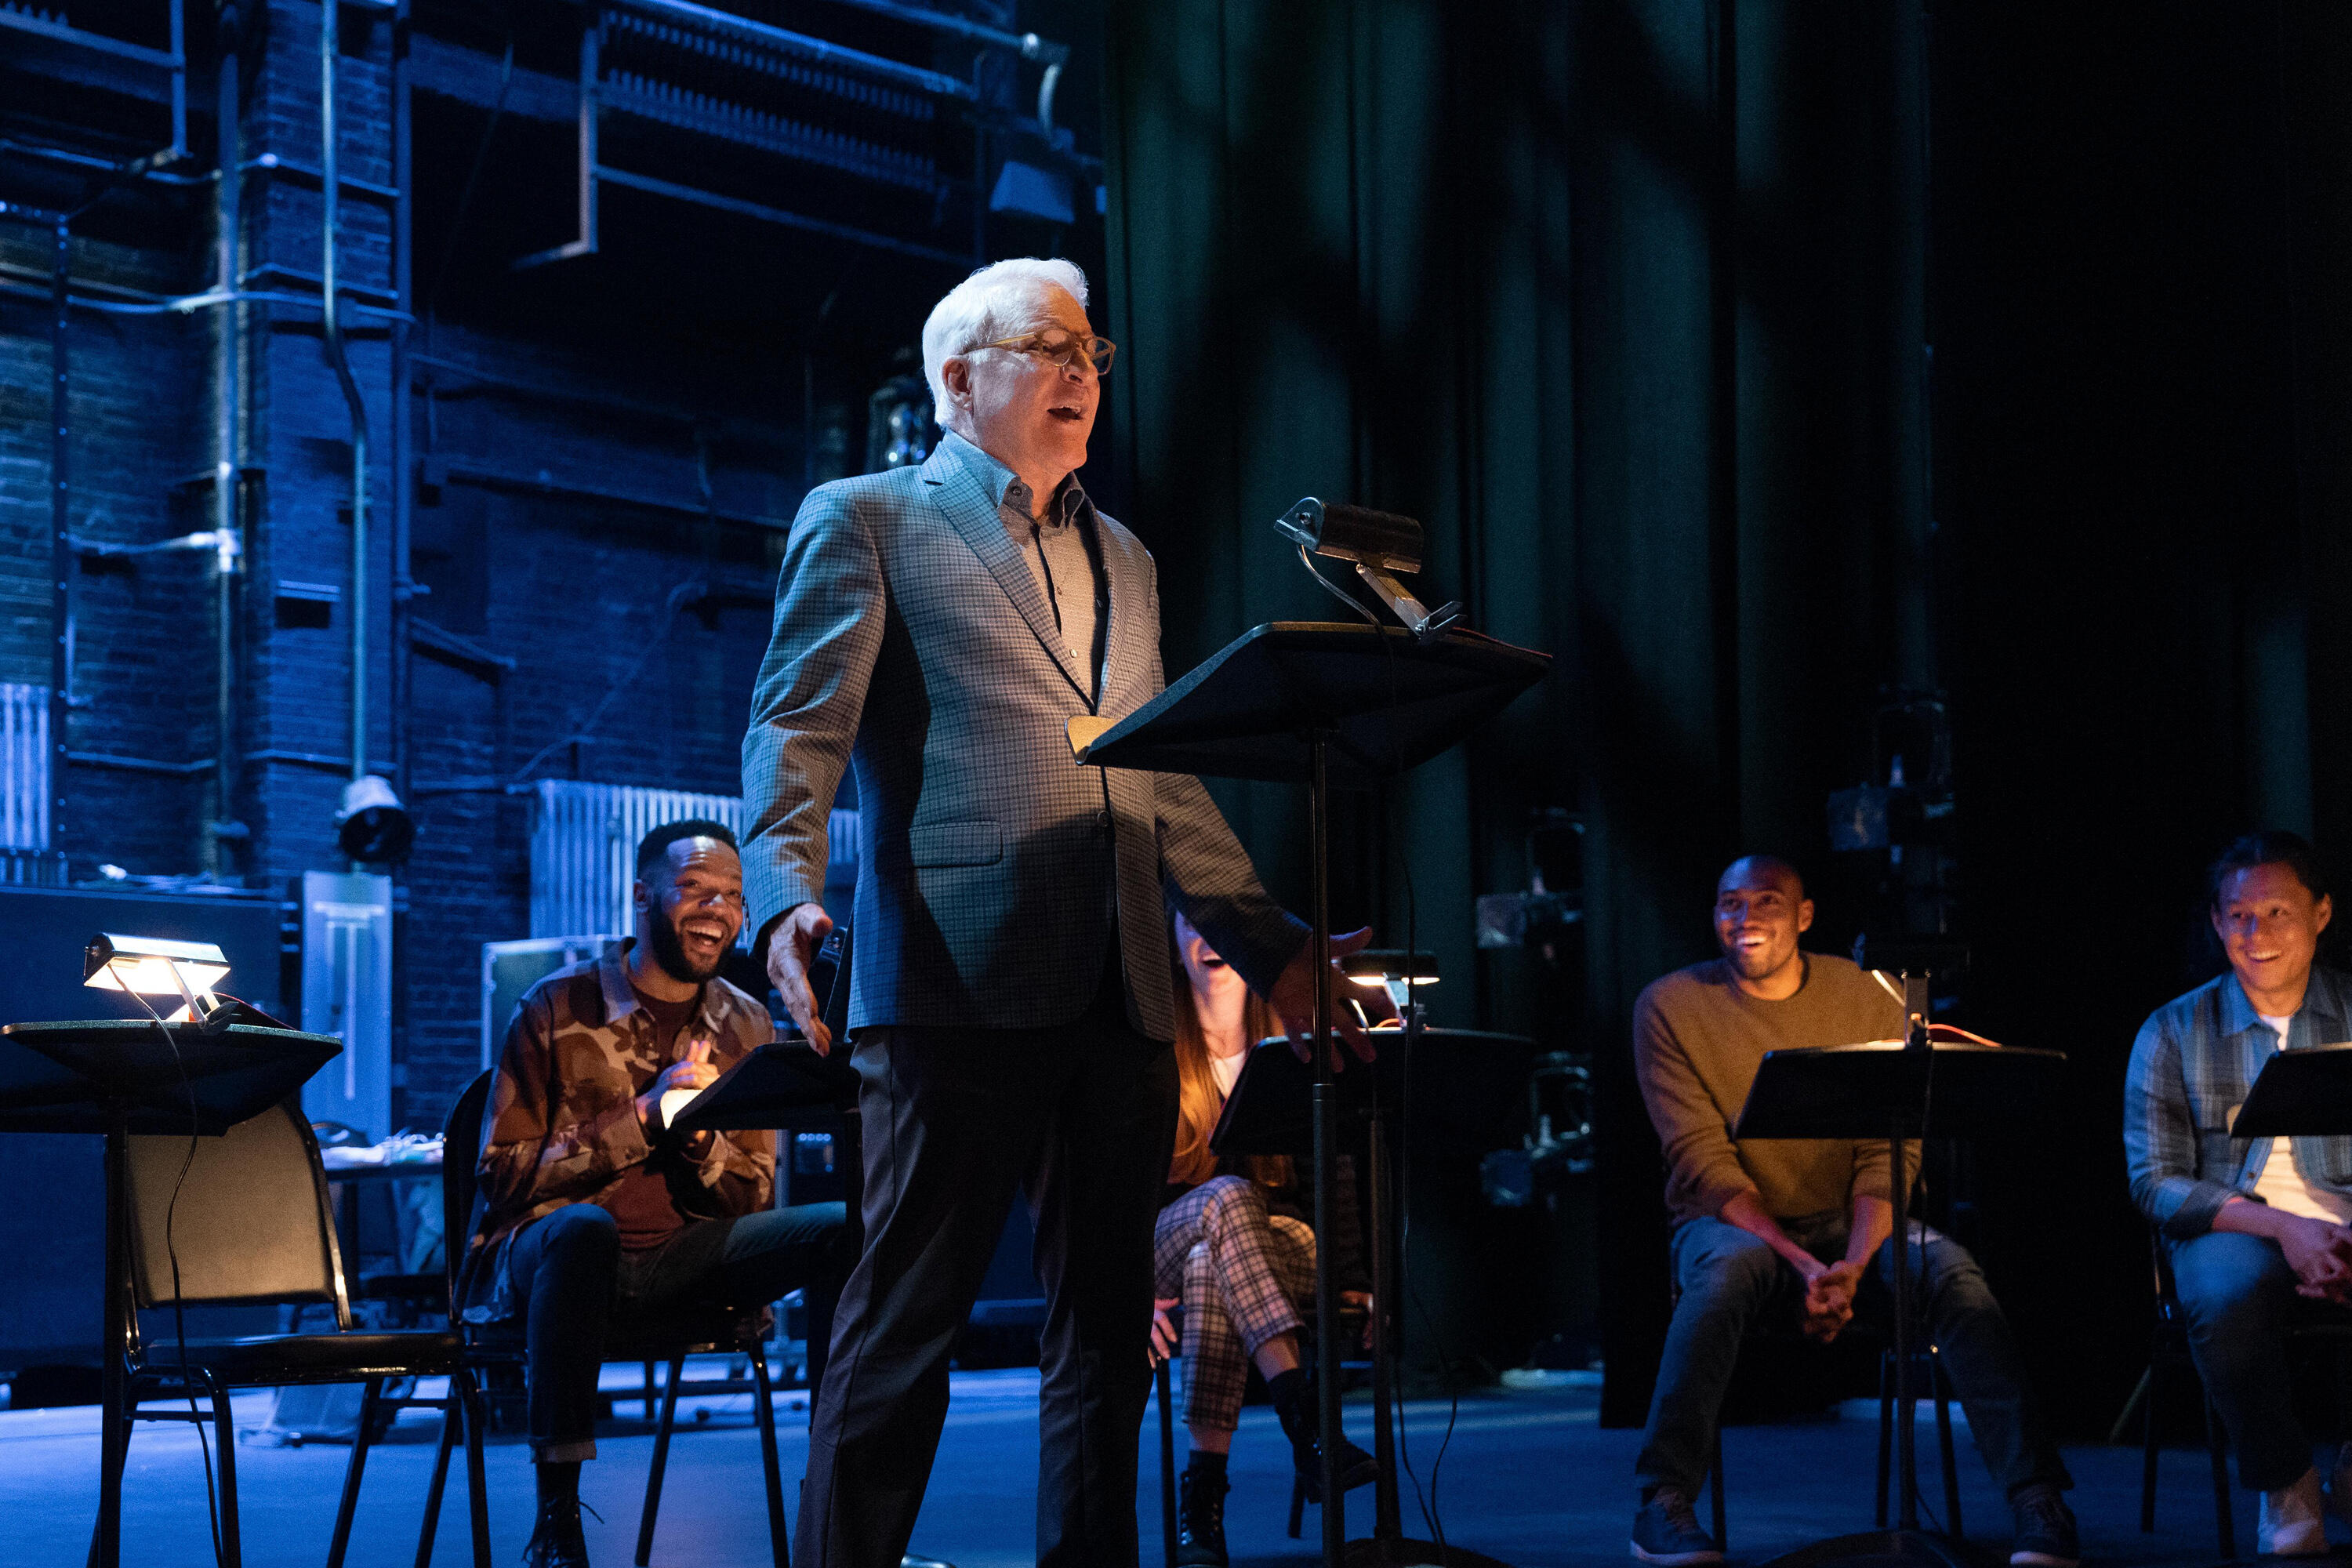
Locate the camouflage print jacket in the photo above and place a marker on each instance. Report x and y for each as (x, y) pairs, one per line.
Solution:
(562, 1124)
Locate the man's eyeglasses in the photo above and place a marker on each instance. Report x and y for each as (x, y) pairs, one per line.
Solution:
(1060, 348)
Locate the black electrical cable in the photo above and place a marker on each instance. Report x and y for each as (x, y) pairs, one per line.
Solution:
(179, 1308)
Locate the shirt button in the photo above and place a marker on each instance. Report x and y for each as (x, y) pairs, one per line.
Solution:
(1102, 819)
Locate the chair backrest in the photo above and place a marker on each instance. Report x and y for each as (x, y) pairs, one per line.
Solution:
(250, 1221)
(461, 1152)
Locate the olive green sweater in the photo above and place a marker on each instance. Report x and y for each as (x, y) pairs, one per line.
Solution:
(1697, 1040)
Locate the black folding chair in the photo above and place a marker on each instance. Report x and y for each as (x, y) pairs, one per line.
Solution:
(244, 1219)
(670, 1338)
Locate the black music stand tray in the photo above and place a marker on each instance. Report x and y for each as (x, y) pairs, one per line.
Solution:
(2305, 1093)
(1315, 703)
(118, 1077)
(1897, 1092)
(782, 1084)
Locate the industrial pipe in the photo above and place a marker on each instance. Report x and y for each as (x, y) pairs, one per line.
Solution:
(226, 468)
(328, 179)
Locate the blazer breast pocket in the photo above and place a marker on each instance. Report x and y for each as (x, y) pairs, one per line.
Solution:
(955, 844)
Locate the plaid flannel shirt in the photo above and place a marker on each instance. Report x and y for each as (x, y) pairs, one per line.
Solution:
(2195, 1058)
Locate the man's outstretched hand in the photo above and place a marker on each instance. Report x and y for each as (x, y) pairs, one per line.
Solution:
(1294, 999)
(791, 948)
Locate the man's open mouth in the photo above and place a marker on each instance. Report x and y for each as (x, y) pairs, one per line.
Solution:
(1067, 415)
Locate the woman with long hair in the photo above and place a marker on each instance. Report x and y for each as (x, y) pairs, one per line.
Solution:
(1235, 1243)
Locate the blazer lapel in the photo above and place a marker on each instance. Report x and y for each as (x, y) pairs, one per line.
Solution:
(963, 500)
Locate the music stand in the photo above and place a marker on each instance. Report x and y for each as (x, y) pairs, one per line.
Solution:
(1297, 701)
(118, 1077)
(781, 1084)
(1899, 1092)
(2303, 1093)
(1271, 1111)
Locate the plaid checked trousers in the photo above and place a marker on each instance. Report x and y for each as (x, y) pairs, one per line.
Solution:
(1242, 1272)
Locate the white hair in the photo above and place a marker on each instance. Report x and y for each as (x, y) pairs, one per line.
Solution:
(991, 303)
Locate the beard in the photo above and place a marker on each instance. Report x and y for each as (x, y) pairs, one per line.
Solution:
(669, 953)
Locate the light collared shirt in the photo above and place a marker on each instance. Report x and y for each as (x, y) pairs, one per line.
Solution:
(1057, 546)
(2195, 1060)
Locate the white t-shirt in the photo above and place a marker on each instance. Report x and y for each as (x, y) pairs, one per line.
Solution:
(2287, 1189)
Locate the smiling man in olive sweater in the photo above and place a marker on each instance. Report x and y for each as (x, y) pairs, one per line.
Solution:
(1794, 1226)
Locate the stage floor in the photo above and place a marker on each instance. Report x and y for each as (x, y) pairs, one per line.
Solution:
(1529, 1478)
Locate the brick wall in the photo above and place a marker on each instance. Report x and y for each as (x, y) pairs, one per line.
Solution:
(575, 591)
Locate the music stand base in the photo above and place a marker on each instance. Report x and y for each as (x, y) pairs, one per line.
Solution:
(1401, 1552)
(1892, 1549)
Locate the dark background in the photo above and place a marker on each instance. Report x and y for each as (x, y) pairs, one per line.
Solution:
(1756, 359)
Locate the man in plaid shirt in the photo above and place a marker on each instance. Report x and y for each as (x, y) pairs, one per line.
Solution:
(2254, 1226)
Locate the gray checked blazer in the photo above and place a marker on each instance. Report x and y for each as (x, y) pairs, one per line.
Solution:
(911, 642)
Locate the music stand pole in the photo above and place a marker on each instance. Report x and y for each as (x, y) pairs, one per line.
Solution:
(1327, 1157)
(1915, 1004)
(1387, 1516)
(114, 1372)
(1907, 1516)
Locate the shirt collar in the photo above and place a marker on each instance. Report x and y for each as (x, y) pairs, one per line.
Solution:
(2319, 999)
(621, 997)
(998, 480)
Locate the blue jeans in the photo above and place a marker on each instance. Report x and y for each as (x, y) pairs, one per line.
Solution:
(2238, 1295)
(1730, 1280)
(568, 1269)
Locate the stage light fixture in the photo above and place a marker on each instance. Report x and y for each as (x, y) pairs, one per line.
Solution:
(159, 966)
(372, 826)
(1379, 544)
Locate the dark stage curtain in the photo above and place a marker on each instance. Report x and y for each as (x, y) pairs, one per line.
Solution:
(1627, 300)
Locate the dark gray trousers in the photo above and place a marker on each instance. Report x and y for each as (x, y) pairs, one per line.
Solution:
(1083, 1118)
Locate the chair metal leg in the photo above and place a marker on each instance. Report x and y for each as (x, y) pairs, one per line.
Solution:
(110, 1477)
(649, 1390)
(224, 1424)
(1885, 1428)
(2217, 1443)
(661, 1462)
(1943, 1386)
(778, 1536)
(1715, 1494)
(1298, 1504)
(2150, 1383)
(478, 1487)
(1167, 1469)
(354, 1468)
(452, 1419)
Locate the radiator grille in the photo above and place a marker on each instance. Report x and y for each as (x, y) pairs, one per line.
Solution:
(583, 847)
(24, 768)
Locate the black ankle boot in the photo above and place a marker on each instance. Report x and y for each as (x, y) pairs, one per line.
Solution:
(1201, 1520)
(1295, 1407)
(556, 1540)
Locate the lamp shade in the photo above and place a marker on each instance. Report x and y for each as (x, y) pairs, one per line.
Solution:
(1384, 966)
(151, 965)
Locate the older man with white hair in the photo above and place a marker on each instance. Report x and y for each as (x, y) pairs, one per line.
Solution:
(1011, 1003)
